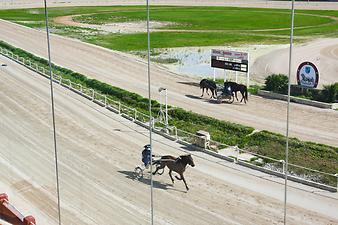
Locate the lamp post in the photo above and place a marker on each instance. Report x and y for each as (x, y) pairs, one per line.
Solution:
(166, 105)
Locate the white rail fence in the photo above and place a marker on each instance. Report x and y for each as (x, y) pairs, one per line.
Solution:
(275, 167)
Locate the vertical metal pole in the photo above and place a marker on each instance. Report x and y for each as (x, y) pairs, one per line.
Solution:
(214, 74)
(225, 75)
(161, 112)
(288, 110)
(248, 73)
(53, 116)
(236, 74)
(166, 109)
(150, 120)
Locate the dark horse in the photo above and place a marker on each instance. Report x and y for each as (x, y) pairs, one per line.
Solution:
(234, 87)
(177, 165)
(208, 84)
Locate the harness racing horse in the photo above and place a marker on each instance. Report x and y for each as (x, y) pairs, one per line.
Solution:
(238, 87)
(208, 84)
(177, 165)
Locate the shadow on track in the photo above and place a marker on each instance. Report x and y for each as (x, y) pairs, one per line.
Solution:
(193, 96)
(146, 180)
(195, 84)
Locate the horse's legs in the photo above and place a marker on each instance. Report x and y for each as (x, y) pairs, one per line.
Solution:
(243, 97)
(182, 178)
(236, 95)
(158, 168)
(172, 179)
(202, 92)
(212, 93)
(186, 186)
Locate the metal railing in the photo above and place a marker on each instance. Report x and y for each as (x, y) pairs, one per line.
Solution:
(259, 162)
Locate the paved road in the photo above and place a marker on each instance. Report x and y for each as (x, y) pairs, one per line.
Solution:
(97, 153)
(130, 73)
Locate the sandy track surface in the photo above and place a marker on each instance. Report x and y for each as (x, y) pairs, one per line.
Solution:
(125, 27)
(237, 3)
(323, 53)
(130, 73)
(97, 153)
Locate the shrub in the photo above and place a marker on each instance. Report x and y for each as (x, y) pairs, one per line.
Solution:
(277, 83)
(330, 93)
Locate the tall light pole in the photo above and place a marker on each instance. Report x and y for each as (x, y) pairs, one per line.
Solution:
(53, 114)
(166, 105)
(288, 109)
(150, 120)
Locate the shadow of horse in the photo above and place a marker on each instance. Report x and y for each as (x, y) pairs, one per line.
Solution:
(195, 84)
(156, 184)
(193, 96)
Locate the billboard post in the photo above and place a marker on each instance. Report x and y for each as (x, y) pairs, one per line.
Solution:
(230, 60)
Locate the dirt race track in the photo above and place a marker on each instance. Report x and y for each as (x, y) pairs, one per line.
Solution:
(130, 73)
(98, 151)
(237, 3)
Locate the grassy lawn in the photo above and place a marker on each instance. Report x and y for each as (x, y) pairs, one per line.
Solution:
(234, 26)
(132, 42)
(210, 18)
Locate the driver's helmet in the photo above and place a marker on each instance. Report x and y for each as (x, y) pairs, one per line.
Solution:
(147, 147)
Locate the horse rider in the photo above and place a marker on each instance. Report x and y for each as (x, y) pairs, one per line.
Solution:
(146, 155)
(227, 90)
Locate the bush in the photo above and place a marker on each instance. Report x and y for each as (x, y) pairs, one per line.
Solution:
(330, 93)
(277, 83)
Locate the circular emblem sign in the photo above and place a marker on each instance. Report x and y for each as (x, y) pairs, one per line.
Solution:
(307, 75)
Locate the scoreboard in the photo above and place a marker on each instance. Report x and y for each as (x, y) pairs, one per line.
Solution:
(229, 60)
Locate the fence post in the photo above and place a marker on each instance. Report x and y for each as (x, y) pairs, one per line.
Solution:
(237, 153)
(105, 101)
(135, 114)
(283, 163)
(336, 175)
(81, 88)
(205, 142)
(119, 107)
(60, 82)
(93, 94)
(176, 134)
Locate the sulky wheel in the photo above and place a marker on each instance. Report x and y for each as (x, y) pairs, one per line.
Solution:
(229, 99)
(138, 172)
(219, 99)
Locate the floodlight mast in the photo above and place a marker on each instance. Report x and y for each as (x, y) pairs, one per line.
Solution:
(288, 110)
(166, 105)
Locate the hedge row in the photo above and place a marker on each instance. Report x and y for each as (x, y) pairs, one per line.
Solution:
(307, 154)
(279, 83)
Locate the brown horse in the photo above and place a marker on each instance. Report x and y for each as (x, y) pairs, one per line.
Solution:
(234, 87)
(208, 84)
(177, 165)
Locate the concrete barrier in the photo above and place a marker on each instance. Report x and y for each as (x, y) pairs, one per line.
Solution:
(303, 101)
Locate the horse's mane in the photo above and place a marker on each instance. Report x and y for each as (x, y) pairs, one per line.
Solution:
(184, 158)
